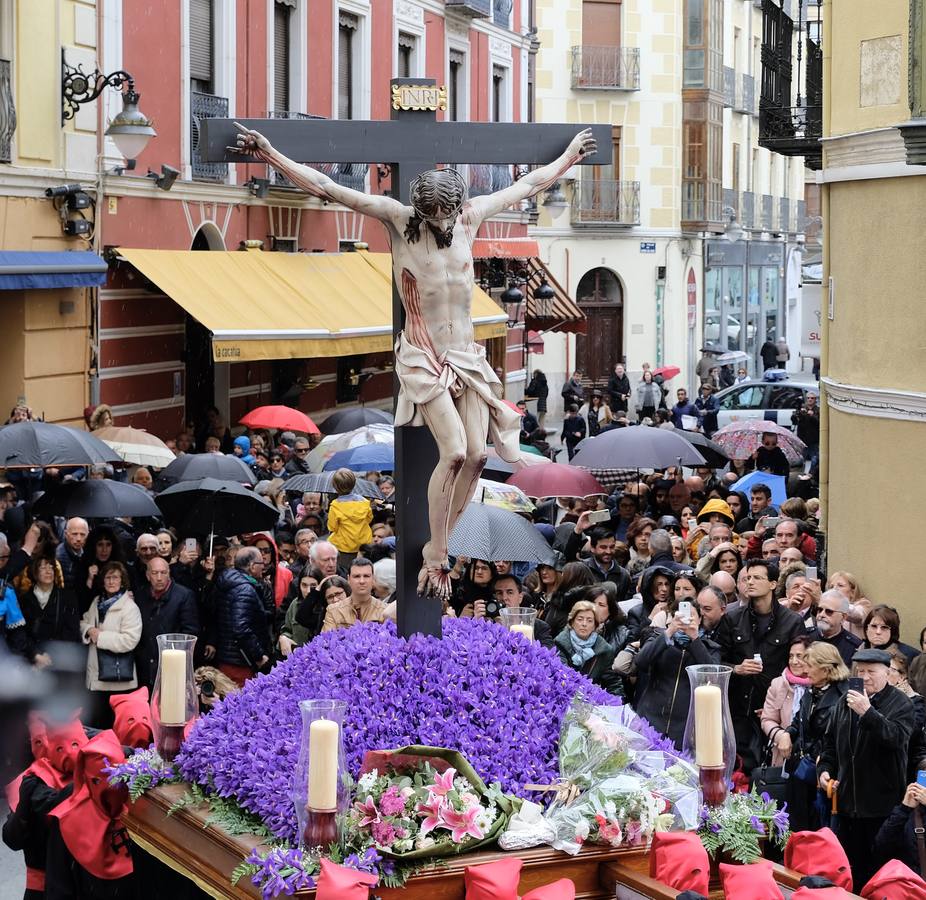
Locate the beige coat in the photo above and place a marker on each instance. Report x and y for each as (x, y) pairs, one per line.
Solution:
(120, 632)
(778, 711)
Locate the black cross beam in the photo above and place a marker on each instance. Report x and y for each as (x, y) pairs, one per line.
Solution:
(412, 142)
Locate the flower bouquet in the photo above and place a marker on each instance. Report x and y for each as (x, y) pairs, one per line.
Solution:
(736, 829)
(422, 802)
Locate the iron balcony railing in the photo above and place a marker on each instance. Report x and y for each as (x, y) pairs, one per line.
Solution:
(703, 211)
(749, 95)
(206, 106)
(7, 113)
(474, 9)
(600, 202)
(768, 210)
(784, 214)
(748, 209)
(501, 13)
(731, 200)
(729, 87)
(606, 68)
(486, 179)
(352, 175)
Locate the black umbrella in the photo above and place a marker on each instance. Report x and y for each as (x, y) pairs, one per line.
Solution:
(713, 454)
(356, 417)
(636, 447)
(28, 445)
(321, 483)
(95, 499)
(207, 505)
(193, 466)
(496, 468)
(489, 532)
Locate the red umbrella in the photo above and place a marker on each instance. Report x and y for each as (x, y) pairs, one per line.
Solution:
(283, 418)
(667, 372)
(513, 406)
(555, 480)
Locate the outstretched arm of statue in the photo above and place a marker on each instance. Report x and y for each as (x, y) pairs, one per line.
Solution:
(313, 182)
(481, 208)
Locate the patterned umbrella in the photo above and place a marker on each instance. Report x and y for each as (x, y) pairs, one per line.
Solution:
(504, 496)
(487, 532)
(332, 443)
(137, 446)
(556, 480)
(740, 439)
(320, 482)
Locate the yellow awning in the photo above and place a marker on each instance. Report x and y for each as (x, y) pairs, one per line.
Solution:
(289, 305)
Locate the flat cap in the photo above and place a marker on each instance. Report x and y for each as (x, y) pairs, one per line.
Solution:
(872, 655)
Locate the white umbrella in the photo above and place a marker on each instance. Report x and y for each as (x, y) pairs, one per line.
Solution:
(136, 446)
(331, 444)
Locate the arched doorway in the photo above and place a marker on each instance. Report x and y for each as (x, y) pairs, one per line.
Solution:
(601, 298)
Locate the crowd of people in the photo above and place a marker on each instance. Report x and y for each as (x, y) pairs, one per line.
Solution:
(670, 571)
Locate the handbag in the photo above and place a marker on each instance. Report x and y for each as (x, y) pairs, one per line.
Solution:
(806, 768)
(771, 780)
(920, 834)
(112, 666)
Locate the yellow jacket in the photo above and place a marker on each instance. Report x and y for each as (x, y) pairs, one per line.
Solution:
(349, 520)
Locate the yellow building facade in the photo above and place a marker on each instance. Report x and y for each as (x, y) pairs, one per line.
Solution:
(46, 332)
(874, 323)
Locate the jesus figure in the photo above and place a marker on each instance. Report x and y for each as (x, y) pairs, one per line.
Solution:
(445, 381)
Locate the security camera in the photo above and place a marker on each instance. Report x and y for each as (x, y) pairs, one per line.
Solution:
(75, 227)
(63, 190)
(165, 181)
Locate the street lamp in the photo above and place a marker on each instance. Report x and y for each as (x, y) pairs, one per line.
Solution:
(544, 296)
(511, 299)
(130, 129)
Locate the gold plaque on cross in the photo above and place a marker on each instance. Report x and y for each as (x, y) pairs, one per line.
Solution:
(419, 97)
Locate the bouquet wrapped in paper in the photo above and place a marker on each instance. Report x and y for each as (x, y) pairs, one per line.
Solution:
(613, 789)
(421, 802)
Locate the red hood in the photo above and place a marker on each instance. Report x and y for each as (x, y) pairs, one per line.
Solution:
(132, 718)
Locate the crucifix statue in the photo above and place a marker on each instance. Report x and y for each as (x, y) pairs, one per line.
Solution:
(445, 381)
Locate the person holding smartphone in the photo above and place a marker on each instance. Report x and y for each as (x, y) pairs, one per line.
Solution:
(865, 757)
(896, 839)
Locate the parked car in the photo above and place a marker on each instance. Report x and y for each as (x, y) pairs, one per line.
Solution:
(712, 330)
(772, 400)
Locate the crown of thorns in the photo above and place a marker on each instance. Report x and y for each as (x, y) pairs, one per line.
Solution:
(431, 192)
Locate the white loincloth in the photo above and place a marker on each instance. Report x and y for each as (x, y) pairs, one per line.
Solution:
(423, 377)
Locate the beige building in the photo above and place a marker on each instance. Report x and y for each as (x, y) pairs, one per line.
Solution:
(874, 367)
(687, 237)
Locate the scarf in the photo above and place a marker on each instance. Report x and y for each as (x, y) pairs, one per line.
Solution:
(42, 595)
(104, 604)
(583, 647)
(799, 685)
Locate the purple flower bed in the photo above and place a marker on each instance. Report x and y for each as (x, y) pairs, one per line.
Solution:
(481, 690)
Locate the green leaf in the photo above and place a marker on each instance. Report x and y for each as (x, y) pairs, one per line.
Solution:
(241, 870)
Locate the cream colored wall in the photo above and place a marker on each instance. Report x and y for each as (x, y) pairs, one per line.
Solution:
(877, 256)
(880, 34)
(872, 488)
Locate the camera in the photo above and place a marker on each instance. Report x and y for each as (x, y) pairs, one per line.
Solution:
(75, 227)
(207, 688)
(63, 190)
(493, 608)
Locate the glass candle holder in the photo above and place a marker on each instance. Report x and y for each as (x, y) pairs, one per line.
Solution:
(174, 704)
(519, 619)
(709, 736)
(321, 795)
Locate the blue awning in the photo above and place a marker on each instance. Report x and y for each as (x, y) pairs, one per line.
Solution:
(24, 270)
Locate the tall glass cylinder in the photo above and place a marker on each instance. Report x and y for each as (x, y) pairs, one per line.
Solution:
(520, 620)
(320, 794)
(709, 736)
(174, 704)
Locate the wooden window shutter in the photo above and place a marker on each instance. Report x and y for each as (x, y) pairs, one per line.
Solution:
(347, 30)
(601, 23)
(281, 43)
(201, 40)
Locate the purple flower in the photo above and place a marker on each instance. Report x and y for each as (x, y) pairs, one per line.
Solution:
(481, 690)
(757, 825)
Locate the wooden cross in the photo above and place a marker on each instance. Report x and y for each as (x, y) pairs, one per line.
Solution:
(411, 142)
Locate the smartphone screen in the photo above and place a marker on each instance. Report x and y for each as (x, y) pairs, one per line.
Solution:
(857, 685)
(921, 777)
(692, 524)
(811, 573)
(684, 609)
(190, 545)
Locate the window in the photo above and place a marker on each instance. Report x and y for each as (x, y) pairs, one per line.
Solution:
(348, 26)
(785, 398)
(282, 37)
(747, 398)
(601, 23)
(408, 46)
(202, 46)
(456, 94)
(499, 87)
(736, 168)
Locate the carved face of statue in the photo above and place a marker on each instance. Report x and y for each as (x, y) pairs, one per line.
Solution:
(437, 196)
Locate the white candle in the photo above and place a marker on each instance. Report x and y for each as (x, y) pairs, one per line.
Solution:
(526, 630)
(708, 726)
(173, 687)
(323, 764)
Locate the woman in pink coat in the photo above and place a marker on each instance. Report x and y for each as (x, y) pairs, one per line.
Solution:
(784, 697)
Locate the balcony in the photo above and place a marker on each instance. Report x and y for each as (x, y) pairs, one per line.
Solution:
(699, 214)
(749, 95)
(501, 13)
(748, 209)
(605, 68)
(729, 87)
(731, 200)
(600, 202)
(784, 215)
(206, 106)
(768, 210)
(487, 179)
(472, 9)
(7, 113)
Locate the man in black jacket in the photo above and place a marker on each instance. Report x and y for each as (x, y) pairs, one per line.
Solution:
(865, 758)
(761, 628)
(166, 608)
(618, 389)
(509, 592)
(601, 563)
(832, 611)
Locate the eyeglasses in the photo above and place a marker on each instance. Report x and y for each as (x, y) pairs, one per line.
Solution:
(828, 612)
(301, 450)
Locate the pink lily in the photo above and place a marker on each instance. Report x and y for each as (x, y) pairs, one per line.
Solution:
(461, 824)
(431, 810)
(443, 784)
(368, 811)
